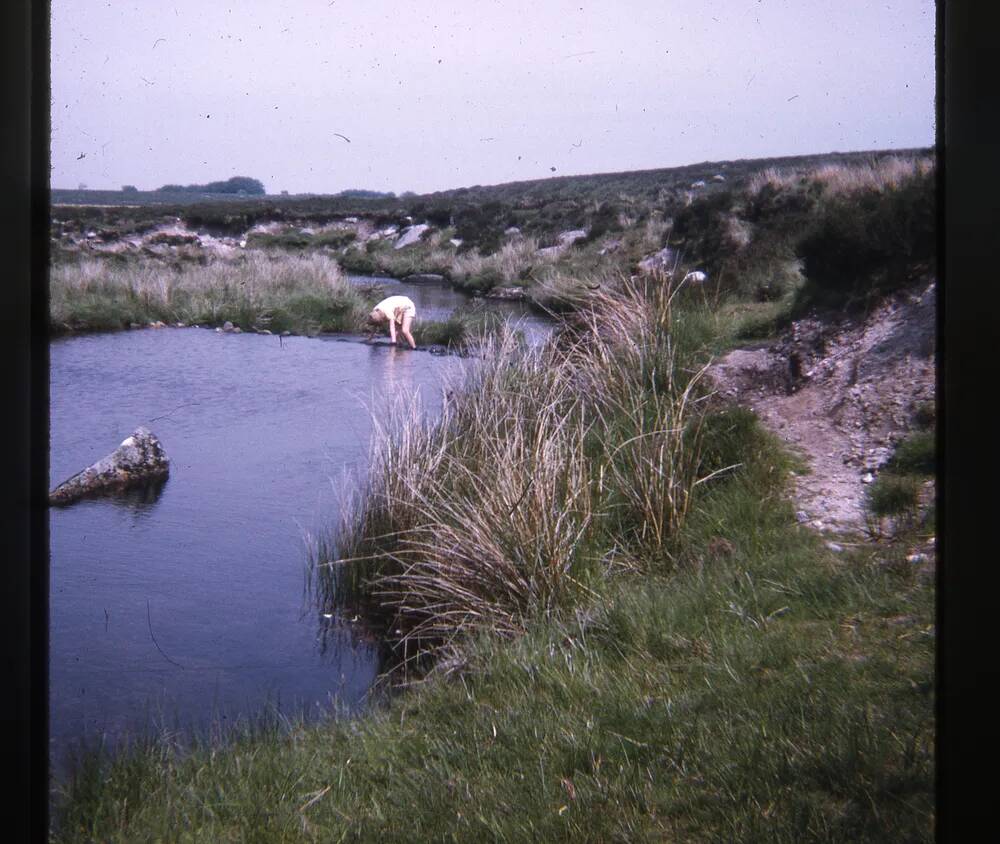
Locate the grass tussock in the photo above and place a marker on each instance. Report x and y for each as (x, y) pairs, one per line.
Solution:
(515, 263)
(501, 512)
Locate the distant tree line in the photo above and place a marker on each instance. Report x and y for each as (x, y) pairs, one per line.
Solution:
(360, 193)
(237, 184)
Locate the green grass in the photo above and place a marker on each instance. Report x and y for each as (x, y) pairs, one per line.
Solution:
(895, 501)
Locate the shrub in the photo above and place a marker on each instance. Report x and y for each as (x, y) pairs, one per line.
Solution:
(868, 239)
(924, 415)
(915, 455)
(336, 238)
(893, 496)
(604, 221)
(356, 261)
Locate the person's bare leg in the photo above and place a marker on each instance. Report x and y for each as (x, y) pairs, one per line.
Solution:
(407, 322)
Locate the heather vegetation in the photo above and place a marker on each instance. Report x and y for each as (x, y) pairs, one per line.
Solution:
(601, 618)
(779, 238)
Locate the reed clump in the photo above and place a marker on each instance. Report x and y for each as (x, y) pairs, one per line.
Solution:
(546, 468)
(513, 263)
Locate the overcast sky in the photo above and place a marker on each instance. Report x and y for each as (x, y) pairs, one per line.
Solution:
(323, 95)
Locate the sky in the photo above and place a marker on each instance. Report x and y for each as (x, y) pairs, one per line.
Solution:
(319, 96)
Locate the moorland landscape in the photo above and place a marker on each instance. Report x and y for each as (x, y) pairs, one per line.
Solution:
(667, 575)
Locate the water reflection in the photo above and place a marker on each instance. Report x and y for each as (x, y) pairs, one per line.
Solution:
(142, 498)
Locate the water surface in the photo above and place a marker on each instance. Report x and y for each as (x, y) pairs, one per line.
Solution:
(186, 605)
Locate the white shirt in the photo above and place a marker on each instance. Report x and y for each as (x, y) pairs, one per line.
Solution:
(390, 306)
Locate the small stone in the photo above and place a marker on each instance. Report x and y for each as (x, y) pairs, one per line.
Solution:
(916, 559)
(867, 478)
(286, 333)
(802, 517)
(833, 546)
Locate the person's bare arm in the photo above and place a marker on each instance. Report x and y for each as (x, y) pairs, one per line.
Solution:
(392, 331)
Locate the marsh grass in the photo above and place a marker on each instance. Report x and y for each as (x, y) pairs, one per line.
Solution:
(500, 512)
(304, 294)
(881, 174)
(515, 262)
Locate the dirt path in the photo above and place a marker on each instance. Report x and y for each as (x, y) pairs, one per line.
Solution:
(841, 395)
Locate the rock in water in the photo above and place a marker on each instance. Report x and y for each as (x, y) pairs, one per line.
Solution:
(137, 460)
(505, 293)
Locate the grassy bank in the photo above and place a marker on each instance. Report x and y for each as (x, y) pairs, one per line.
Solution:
(630, 637)
(259, 291)
(278, 293)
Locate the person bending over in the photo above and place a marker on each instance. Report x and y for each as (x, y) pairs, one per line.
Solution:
(399, 312)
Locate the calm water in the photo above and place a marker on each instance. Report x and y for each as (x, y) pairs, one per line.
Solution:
(187, 606)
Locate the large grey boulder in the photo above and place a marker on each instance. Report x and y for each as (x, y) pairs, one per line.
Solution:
(571, 237)
(139, 459)
(410, 235)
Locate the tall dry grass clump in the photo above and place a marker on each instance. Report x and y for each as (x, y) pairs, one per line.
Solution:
(878, 175)
(511, 263)
(546, 466)
(479, 521)
(885, 174)
(304, 293)
(646, 396)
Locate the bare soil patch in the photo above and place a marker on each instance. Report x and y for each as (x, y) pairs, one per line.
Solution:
(842, 393)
